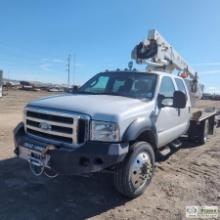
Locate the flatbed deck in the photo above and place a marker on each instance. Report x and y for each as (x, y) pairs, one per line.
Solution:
(200, 114)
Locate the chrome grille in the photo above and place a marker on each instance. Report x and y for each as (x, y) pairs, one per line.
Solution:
(57, 126)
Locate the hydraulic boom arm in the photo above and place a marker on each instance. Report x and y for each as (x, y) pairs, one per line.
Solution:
(159, 55)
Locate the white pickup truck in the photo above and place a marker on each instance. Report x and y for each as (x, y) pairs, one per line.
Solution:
(117, 121)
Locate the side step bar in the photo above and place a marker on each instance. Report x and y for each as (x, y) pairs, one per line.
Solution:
(166, 151)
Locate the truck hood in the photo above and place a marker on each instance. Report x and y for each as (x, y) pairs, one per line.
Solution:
(98, 107)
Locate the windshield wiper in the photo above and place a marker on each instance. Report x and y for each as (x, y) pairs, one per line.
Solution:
(84, 92)
(104, 93)
(111, 93)
(97, 93)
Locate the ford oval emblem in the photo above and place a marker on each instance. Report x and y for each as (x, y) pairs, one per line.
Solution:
(45, 126)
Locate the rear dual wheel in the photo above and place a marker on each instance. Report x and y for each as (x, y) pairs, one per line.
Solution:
(202, 139)
(134, 174)
(201, 136)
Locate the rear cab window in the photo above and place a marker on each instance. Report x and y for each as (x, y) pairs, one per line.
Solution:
(167, 90)
(167, 87)
(180, 85)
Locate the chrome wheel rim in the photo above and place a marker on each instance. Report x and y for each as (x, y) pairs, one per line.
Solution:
(141, 170)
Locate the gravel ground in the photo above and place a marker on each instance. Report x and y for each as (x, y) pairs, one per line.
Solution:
(189, 176)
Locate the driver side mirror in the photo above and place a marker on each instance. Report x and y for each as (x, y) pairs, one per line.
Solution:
(75, 89)
(179, 99)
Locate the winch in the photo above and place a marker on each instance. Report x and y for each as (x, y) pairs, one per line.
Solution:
(38, 160)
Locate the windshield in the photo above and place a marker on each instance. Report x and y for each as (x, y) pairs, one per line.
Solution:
(128, 84)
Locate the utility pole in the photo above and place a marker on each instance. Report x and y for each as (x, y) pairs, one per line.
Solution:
(68, 69)
(74, 68)
(1, 83)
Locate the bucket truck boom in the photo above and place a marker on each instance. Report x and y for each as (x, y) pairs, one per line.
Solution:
(159, 55)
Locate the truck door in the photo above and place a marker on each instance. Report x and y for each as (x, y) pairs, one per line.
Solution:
(185, 113)
(168, 127)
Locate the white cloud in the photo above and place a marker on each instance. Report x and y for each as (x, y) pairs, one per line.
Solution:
(213, 89)
(46, 67)
(210, 72)
(60, 61)
(56, 64)
(207, 64)
(53, 60)
(78, 64)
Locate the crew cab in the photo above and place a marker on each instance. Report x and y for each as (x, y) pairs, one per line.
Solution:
(117, 121)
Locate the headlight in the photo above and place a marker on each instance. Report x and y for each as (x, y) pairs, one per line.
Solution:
(104, 131)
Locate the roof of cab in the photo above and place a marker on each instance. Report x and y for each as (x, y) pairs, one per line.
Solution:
(160, 73)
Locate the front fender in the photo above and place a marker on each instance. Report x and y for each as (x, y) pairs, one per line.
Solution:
(18, 131)
(137, 127)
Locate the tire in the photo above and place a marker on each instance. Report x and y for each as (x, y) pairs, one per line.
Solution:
(202, 139)
(134, 174)
(217, 123)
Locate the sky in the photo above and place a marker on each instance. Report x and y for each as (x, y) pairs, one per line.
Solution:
(36, 36)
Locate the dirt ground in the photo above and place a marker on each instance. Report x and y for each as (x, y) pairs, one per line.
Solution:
(189, 176)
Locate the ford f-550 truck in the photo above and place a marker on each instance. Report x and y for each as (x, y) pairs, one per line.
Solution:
(117, 121)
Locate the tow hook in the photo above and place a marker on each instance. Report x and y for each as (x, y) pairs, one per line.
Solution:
(39, 161)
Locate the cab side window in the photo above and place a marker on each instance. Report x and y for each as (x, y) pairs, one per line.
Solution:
(167, 87)
(180, 85)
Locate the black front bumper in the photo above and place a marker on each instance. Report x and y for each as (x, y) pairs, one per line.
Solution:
(88, 158)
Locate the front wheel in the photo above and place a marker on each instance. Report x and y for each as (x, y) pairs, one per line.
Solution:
(134, 174)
